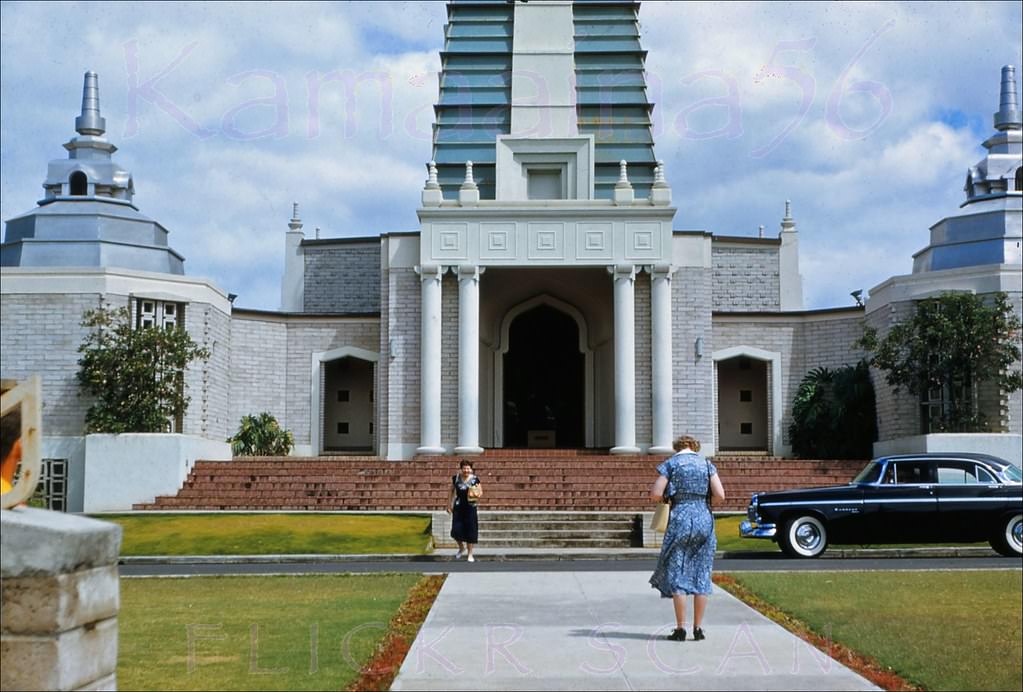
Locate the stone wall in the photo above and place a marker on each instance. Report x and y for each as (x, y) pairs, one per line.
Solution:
(746, 276)
(644, 404)
(258, 383)
(898, 413)
(693, 406)
(208, 383)
(60, 601)
(342, 276)
(399, 403)
(40, 334)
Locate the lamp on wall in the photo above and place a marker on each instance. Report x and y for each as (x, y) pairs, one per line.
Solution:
(858, 296)
(699, 347)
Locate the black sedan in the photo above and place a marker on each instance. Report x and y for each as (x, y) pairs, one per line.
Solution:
(920, 498)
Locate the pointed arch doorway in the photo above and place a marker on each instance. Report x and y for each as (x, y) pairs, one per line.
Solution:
(543, 374)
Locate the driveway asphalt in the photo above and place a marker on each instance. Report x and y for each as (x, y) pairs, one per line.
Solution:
(601, 631)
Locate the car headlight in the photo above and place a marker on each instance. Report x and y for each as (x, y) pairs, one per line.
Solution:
(752, 514)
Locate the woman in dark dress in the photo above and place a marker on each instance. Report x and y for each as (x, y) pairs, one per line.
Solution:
(462, 508)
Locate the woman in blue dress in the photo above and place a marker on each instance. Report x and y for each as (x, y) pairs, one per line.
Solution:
(462, 508)
(687, 553)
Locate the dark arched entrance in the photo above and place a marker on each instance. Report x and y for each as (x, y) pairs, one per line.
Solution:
(544, 381)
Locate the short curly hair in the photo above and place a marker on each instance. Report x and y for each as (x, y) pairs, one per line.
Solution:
(686, 442)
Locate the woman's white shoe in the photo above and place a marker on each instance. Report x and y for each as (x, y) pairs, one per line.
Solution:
(470, 559)
(459, 554)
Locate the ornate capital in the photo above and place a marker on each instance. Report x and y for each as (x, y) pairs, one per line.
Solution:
(622, 271)
(430, 272)
(468, 272)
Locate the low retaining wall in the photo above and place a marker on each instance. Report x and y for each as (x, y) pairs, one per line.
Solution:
(121, 470)
(60, 598)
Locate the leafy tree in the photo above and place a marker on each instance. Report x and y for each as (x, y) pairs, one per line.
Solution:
(833, 416)
(136, 374)
(950, 345)
(261, 436)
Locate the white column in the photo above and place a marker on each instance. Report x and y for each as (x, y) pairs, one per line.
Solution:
(660, 357)
(430, 355)
(469, 360)
(625, 359)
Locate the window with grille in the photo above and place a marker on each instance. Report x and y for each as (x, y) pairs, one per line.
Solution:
(51, 493)
(159, 313)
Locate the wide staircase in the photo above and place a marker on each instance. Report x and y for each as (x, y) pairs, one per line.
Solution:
(597, 496)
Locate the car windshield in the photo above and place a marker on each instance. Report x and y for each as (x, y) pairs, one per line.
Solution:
(869, 474)
(1013, 473)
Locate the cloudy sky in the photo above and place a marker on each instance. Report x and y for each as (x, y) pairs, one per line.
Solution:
(865, 115)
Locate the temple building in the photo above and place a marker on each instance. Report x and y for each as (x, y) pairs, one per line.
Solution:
(546, 300)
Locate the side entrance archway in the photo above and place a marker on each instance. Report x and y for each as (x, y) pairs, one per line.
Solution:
(747, 381)
(343, 401)
(544, 377)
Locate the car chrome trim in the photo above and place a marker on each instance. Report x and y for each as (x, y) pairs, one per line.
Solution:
(822, 501)
(748, 530)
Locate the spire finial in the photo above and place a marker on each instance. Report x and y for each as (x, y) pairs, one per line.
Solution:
(470, 183)
(296, 223)
(431, 178)
(788, 223)
(90, 122)
(623, 174)
(1008, 115)
(659, 180)
(760, 231)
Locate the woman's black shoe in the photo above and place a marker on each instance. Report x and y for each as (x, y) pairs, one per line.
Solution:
(698, 635)
(679, 635)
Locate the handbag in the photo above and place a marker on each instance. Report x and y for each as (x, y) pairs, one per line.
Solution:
(710, 496)
(474, 493)
(659, 522)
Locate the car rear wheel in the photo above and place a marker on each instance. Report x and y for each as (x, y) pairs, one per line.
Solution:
(1008, 538)
(804, 536)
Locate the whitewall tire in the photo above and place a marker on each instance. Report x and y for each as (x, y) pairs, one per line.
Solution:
(804, 536)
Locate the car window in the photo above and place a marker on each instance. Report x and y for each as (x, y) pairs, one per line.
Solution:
(910, 472)
(956, 472)
(983, 476)
(1013, 473)
(869, 473)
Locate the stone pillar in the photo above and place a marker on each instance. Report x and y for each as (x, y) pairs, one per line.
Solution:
(660, 358)
(625, 359)
(430, 356)
(60, 601)
(469, 360)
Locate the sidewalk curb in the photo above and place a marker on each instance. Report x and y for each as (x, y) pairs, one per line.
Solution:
(552, 555)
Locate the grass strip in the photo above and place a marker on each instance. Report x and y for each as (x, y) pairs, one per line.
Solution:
(871, 669)
(380, 671)
(254, 632)
(272, 534)
(939, 630)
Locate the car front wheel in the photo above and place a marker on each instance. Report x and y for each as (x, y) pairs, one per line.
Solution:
(804, 536)
(1008, 538)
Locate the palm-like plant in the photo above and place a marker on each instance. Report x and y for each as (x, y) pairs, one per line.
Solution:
(833, 415)
(261, 436)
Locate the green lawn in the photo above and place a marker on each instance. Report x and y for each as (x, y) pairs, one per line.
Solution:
(959, 630)
(253, 633)
(272, 534)
(727, 529)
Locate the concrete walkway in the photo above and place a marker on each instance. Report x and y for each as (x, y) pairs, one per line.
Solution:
(601, 631)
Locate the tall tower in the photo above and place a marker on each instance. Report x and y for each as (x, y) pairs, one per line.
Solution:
(543, 70)
(87, 217)
(987, 229)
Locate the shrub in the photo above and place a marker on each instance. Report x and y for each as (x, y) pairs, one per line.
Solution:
(941, 354)
(834, 416)
(136, 374)
(261, 436)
